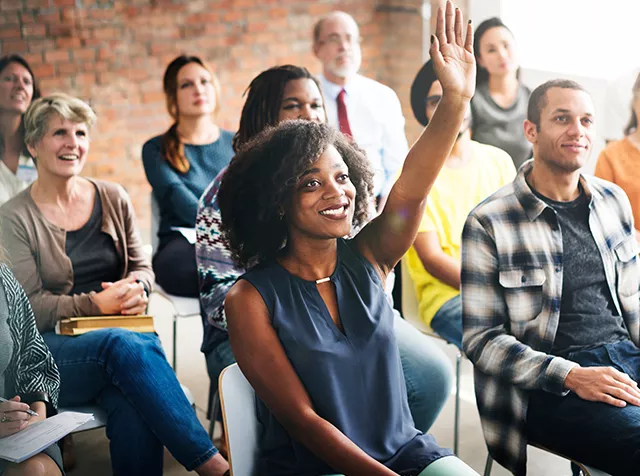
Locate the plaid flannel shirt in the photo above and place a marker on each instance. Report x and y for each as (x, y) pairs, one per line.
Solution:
(512, 269)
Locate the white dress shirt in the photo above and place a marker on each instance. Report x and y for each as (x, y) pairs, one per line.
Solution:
(11, 184)
(377, 124)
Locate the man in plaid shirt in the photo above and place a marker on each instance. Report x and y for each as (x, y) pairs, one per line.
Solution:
(550, 300)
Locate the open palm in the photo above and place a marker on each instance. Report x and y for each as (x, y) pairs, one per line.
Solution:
(452, 53)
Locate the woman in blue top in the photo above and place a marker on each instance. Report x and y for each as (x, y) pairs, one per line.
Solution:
(309, 324)
(181, 163)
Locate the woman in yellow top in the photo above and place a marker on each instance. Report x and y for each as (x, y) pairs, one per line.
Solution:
(618, 162)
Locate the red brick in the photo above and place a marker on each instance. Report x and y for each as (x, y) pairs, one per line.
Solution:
(9, 32)
(69, 43)
(34, 30)
(14, 46)
(64, 3)
(84, 54)
(56, 56)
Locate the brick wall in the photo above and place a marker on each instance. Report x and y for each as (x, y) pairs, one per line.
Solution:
(112, 53)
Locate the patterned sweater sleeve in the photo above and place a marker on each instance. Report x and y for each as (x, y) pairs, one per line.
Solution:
(216, 270)
(36, 374)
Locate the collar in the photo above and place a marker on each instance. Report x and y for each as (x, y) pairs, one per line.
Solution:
(331, 90)
(532, 205)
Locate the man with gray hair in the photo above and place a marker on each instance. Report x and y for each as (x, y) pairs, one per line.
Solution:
(550, 308)
(360, 107)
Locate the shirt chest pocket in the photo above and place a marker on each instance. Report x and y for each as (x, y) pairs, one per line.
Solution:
(626, 267)
(523, 294)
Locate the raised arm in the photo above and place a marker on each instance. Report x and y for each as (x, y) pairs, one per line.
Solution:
(263, 361)
(386, 238)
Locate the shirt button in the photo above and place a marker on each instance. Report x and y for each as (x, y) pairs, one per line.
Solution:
(557, 269)
(523, 279)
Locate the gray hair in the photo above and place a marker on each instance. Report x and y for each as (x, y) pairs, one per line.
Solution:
(317, 28)
(36, 119)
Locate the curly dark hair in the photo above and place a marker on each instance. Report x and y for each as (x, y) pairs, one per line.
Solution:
(260, 181)
(264, 98)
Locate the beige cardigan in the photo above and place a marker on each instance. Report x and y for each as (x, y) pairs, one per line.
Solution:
(37, 256)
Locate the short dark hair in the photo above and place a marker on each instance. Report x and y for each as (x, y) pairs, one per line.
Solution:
(260, 181)
(420, 90)
(482, 75)
(264, 97)
(538, 99)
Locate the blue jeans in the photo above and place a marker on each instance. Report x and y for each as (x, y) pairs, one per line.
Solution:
(447, 322)
(427, 371)
(596, 434)
(128, 375)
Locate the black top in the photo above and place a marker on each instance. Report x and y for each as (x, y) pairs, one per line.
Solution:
(93, 254)
(588, 316)
(353, 377)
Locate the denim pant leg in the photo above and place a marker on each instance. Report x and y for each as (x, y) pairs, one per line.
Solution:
(594, 433)
(133, 447)
(447, 322)
(427, 373)
(134, 363)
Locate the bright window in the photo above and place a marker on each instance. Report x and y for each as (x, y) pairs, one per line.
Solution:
(582, 37)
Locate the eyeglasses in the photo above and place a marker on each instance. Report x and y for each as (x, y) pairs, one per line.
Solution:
(337, 40)
(432, 101)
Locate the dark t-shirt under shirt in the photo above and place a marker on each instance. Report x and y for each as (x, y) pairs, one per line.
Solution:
(93, 254)
(588, 316)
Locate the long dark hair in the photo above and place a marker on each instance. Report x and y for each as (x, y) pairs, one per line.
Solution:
(632, 125)
(264, 98)
(4, 62)
(482, 75)
(172, 146)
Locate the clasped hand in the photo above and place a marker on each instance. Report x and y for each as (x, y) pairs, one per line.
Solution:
(452, 53)
(126, 296)
(603, 384)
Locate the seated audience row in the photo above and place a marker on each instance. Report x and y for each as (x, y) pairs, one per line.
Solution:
(74, 247)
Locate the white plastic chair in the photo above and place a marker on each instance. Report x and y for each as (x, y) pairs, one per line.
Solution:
(183, 306)
(410, 311)
(237, 399)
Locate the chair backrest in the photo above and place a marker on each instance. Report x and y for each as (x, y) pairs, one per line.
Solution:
(155, 223)
(237, 400)
(410, 309)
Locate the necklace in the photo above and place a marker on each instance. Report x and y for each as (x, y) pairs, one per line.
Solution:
(323, 280)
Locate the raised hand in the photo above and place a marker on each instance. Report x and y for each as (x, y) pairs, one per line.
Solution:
(452, 53)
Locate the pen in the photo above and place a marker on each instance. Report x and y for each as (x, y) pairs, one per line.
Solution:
(29, 411)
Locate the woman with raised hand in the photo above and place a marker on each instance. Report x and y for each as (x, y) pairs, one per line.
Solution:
(17, 89)
(75, 249)
(310, 323)
(181, 163)
(275, 95)
(499, 106)
(29, 378)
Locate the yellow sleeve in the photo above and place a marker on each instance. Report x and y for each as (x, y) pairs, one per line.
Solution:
(429, 219)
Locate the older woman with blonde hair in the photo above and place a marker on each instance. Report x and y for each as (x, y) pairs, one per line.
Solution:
(75, 249)
(181, 163)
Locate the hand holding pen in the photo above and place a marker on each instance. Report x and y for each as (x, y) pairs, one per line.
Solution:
(14, 416)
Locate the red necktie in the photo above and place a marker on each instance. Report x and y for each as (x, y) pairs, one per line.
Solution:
(343, 118)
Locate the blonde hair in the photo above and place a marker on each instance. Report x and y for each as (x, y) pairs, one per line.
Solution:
(36, 119)
(172, 146)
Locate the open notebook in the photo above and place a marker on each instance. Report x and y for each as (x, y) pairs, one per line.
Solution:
(38, 436)
(74, 326)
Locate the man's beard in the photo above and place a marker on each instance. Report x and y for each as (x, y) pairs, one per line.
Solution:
(348, 69)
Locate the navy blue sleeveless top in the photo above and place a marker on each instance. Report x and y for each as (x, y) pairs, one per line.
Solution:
(354, 379)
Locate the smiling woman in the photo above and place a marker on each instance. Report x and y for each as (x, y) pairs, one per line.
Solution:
(17, 89)
(75, 249)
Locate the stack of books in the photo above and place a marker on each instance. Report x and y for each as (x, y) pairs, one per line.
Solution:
(74, 326)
